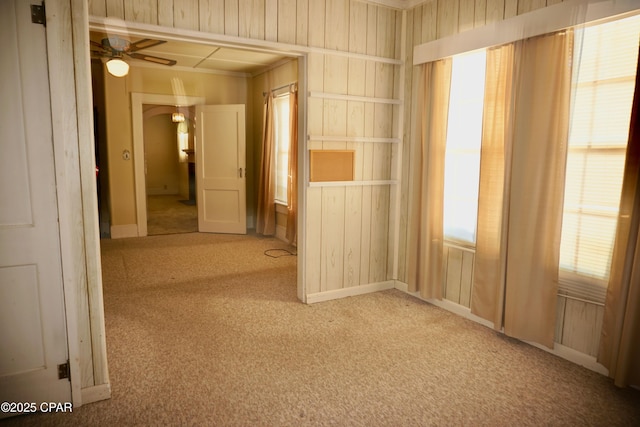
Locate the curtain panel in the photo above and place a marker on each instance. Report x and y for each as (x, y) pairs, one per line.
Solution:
(522, 186)
(292, 185)
(266, 215)
(620, 339)
(426, 220)
(493, 196)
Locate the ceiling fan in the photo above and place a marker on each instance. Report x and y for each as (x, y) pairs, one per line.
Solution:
(116, 48)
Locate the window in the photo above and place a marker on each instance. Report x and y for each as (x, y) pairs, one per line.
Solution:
(281, 129)
(604, 83)
(462, 155)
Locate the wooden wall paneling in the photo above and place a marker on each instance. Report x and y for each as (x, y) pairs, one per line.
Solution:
(480, 14)
(365, 221)
(144, 11)
(332, 247)
(352, 236)
(358, 28)
(430, 20)
(386, 33)
(406, 149)
(466, 15)
(165, 13)
(582, 326)
(445, 270)
(466, 279)
(560, 307)
(415, 17)
(510, 8)
(302, 22)
(400, 34)
(185, 14)
(454, 275)
(271, 20)
(97, 8)
(316, 23)
(251, 19)
(287, 21)
(231, 18)
(525, 6)
(314, 231)
(552, 2)
(313, 234)
(495, 11)
(447, 16)
(211, 16)
(381, 156)
(337, 25)
(115, 9)
(379, 233)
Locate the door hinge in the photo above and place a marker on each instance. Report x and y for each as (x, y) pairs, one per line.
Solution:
(64, 371)
(38, 15)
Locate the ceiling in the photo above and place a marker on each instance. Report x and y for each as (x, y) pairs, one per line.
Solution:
(201, 56)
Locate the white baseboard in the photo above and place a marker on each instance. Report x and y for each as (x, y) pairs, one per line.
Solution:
(559, 350)
(574, 356)
(350, 292)
(458, 309)
(96, 393)
(123, 231)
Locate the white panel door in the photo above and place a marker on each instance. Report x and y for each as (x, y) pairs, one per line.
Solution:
(33, 339)
(221, 169)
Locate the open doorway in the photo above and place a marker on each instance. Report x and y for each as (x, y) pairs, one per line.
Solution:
(222, 75)
(170, 169)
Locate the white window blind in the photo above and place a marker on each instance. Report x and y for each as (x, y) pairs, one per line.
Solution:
(281, 129)
(604, 82)
(462, 155)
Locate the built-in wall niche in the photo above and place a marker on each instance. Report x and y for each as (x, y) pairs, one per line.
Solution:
(331, 165)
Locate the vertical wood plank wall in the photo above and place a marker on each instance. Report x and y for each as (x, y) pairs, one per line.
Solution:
(578, 322)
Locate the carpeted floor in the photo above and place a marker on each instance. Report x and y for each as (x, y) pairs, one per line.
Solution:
(168, 214)
(206, 330)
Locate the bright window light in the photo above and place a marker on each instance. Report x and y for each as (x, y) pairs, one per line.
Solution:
(462, 156)
(604, 83)
(281, 117)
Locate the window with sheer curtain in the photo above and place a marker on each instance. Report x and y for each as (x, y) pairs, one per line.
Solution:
(281, 130)
(462, 154)
(604, 80)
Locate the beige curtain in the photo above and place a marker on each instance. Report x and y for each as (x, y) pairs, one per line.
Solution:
(266, 216)
(620, 340)
(493, 199)
(425, 244)
(292, 185)
(540, 138)
(522, 266)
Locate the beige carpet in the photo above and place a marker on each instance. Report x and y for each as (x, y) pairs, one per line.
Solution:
(166, 214)
(206, 330)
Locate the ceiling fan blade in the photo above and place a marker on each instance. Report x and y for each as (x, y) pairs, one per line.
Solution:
(98, 45)
(144, 44)
(154, 59)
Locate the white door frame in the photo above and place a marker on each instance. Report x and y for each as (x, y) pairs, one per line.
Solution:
(118, 26)
(137, 121)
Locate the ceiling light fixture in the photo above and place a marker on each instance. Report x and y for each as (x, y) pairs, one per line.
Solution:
(177, 117)
(117, 67)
